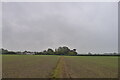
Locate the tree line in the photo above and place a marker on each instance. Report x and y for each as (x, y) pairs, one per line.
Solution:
(5, 51)
(60, 51)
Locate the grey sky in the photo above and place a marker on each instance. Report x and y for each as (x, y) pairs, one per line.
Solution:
(88, 27)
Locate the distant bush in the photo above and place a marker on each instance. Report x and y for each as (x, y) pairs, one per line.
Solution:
(3, 51)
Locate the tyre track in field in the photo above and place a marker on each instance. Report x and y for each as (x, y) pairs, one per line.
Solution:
(61, 70)
(66, 73)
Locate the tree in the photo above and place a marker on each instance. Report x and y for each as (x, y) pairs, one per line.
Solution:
(62, 50)
(89, 53)
(50, 52)
(72, 54)
(65, 51)
(4, 51)
(74, 50)
(44, 52)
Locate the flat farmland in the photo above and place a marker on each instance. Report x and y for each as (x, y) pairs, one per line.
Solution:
(92, 66)
(43, 66)
(28, 66)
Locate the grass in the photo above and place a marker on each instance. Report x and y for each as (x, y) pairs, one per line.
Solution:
(57, 71)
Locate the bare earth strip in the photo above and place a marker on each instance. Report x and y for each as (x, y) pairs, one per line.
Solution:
(61, 70)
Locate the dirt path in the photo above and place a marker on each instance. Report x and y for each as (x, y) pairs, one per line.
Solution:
(61, 69)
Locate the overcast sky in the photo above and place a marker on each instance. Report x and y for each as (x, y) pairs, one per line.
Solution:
(88, 27)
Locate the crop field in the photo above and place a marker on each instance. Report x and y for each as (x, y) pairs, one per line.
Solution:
(92, 66)
(28, 66)
(44, 66)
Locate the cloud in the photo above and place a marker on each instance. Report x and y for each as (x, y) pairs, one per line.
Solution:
(88, 27)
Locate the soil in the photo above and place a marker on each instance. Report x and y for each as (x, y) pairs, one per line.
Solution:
(61, 70)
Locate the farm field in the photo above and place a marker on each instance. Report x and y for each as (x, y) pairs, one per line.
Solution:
(92, 66)
(28, 66)
(44, 66)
